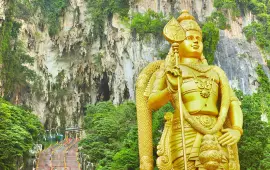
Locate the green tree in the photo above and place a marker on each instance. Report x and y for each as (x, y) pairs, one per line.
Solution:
(19, 130)
(112, 135)
(254, 144)
(256, 134)
(265, 162)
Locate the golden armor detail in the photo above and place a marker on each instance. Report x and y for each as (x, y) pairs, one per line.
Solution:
(203, 131)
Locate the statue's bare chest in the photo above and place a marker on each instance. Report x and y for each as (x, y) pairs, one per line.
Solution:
(204, 81)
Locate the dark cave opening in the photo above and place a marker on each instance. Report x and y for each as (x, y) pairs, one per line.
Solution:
(104, 90)
(126, 93)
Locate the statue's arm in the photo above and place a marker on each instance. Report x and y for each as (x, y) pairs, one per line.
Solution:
(160, 94)
(235, 113)
(233, 134)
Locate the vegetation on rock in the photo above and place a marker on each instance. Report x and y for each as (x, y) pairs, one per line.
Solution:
(257, 31)
(52, 10)
(228, 6)
(210, 40)
(149, 22)
(219, 19)
(268, 63)
(15, 74)
(210, 30)
(100, 10)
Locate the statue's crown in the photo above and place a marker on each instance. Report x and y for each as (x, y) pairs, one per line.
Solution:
(188, 22)
(175, 30)
(185, 16)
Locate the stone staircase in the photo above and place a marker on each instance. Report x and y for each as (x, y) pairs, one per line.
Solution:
(61, 156)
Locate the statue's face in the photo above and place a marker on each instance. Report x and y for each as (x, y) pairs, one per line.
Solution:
(192, 46)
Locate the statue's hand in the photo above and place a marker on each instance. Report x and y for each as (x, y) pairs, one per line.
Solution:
(229, 137)
(172, 74)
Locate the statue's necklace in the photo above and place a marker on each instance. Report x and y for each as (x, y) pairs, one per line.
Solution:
(198, 67)
(204, 85)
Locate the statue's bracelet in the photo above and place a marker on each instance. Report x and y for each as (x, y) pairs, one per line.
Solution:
(239, 129)
(171, 90)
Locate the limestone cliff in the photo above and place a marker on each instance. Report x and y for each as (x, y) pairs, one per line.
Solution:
(75, 68)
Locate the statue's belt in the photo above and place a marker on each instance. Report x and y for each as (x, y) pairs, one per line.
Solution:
(207, 121)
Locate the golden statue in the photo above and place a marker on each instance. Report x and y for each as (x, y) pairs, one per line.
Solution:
(203, 131)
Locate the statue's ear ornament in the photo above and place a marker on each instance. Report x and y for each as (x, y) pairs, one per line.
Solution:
(173, 31)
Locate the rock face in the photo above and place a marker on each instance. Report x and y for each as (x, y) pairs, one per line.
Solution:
(239, 60)
(75, 69)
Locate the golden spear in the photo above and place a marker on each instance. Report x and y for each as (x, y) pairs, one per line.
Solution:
(175, 47)
(175, 34)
